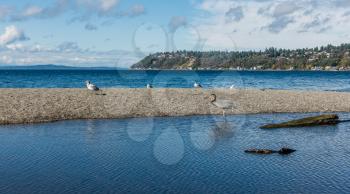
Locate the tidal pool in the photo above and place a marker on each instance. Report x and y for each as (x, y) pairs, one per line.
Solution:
(199, 154)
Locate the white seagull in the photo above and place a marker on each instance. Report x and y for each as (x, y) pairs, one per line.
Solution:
(149, 86)
(223, 104)
(232, 87)
(91, 86)
(197, 85)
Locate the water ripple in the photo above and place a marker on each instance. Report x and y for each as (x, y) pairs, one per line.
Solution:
(173, 155)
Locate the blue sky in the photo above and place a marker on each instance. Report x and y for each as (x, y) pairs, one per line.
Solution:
(120, 32)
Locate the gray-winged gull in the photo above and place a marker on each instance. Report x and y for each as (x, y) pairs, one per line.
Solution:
(91, 86)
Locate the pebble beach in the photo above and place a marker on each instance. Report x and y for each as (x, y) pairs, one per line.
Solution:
(20, 106)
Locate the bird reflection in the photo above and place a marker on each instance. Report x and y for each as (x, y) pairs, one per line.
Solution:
(206, 138)
(223, 130)
(91, 132)
(91, 126)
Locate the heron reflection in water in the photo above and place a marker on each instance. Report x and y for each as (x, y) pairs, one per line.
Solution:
(223, 130)
(205, 136)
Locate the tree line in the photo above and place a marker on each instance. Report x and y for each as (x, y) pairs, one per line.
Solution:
(324, 57)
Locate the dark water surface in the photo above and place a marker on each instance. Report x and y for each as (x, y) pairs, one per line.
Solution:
(173, 155)
(301, 80)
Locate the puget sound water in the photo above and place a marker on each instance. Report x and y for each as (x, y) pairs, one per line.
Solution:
(199, 154)
(296, 80)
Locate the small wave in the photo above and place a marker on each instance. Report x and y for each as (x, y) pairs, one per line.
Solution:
(339, 90)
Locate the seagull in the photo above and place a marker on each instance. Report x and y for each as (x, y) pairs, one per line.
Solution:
(197, 85)
(232, 87)
(223, 104)
(91, 86)
(149, 86)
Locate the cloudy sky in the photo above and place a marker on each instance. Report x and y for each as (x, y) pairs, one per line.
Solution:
(120, 32)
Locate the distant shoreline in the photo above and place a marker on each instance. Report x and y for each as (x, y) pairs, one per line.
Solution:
(179, 70)
(269, 70)
(71, 68)
(20, 106)
(56, 67)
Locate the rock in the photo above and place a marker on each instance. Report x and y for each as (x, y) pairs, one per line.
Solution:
(259, 151)
(283, 151)
(286, 151)
(307, 122)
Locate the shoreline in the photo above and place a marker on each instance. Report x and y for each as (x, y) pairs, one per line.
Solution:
(267, 70)
(21, 106)
(189, 70)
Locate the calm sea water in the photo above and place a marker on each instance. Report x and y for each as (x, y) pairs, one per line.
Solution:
(172, 155)
(301, 80)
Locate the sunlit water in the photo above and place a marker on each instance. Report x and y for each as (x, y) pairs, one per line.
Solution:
(171, 155)
(301, 80)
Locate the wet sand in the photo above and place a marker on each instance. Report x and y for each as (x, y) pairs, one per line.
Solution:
(18, 106)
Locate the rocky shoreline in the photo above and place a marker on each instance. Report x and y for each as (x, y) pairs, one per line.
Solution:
(20, 106)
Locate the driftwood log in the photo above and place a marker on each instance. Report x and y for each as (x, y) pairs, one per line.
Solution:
(307, 122)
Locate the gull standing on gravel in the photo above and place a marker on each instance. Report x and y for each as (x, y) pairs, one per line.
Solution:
(197, 85)
(149, 86)
(223, 104)
(91, 86)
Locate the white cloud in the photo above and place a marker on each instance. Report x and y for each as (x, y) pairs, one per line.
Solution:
(107, 5)
(102, 7)
(32, 11)
(16, 46)
(5, 59)
(28, 12)
(83, 10)
(285, 8)
(68, 47)
(11, 35)
(263, 23)
(66, 53)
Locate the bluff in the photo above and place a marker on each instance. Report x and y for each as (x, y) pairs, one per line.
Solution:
(319, 58)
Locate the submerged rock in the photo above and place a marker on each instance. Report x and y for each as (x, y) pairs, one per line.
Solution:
(259, 151)
(283, 151)
(286, 151)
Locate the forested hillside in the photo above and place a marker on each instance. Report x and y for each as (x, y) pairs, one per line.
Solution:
(319, 58)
